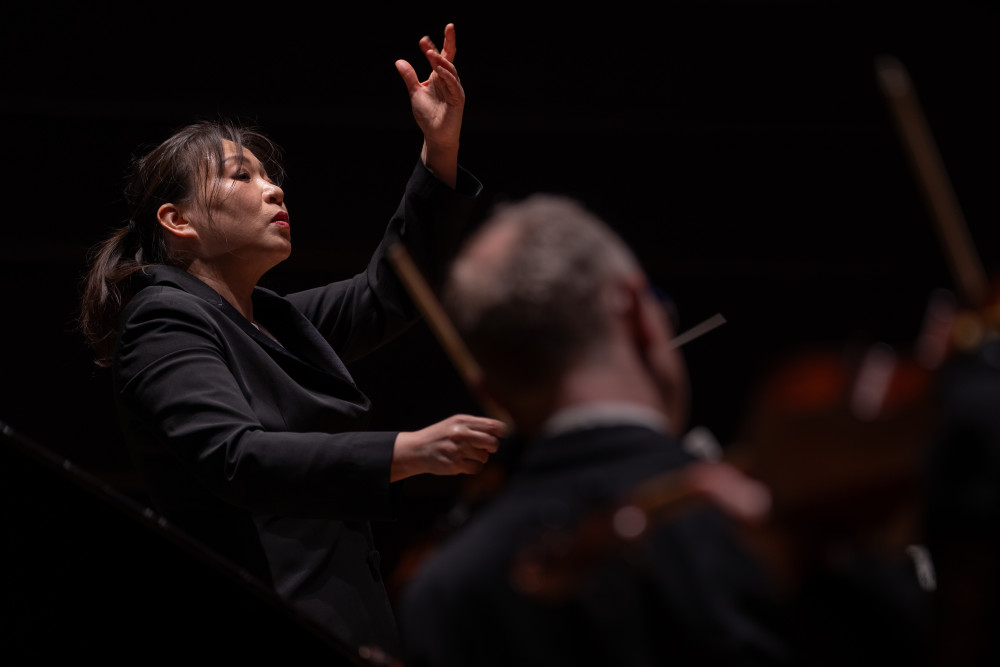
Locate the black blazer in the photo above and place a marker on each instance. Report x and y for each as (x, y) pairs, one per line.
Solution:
(259, 449)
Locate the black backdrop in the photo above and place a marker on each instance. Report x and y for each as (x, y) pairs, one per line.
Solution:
(742, 148)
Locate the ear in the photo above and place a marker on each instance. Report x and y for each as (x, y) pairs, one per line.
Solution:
(651, 333)
(175, 222)
(639, 314)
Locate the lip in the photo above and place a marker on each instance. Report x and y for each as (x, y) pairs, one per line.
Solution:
(280, 219)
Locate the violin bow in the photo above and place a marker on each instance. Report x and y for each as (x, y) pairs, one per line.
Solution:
(442, 327)
(925, 159)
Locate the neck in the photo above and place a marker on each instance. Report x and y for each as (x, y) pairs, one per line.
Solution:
(605, 413)
(236, 290)
(611, 377)
(585, 387)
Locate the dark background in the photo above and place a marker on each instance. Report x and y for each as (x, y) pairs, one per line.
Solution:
(742, 148)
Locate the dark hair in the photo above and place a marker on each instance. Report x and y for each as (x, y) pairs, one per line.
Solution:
(169, 173)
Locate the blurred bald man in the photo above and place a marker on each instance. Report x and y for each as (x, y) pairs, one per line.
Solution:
(577, 347)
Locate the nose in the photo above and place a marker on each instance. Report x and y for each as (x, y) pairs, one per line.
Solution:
(273, 194)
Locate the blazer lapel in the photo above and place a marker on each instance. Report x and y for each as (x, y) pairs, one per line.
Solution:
(302, 349)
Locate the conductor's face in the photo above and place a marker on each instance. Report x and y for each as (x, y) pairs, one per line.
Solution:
(241, 219)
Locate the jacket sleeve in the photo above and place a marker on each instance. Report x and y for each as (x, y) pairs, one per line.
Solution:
(195, 401)
(359, 314)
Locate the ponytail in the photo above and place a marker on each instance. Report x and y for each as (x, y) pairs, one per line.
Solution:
(105, 290)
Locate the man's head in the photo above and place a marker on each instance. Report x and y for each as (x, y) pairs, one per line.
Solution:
(557, 311)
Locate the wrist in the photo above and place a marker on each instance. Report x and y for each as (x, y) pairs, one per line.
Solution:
(442, 161)
(401, 466)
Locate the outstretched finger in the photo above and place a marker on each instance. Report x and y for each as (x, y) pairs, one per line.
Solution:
(427, 44)
(449, 42)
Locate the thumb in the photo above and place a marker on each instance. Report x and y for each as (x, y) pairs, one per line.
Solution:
(409, 75)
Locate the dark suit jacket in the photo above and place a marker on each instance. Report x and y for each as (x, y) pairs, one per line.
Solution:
(259, 449)
(690, 595)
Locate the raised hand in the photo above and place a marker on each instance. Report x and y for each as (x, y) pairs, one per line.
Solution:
(438, 103)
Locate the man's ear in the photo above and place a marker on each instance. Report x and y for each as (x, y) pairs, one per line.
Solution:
(651, 334)
(639, 313)
(173, 220)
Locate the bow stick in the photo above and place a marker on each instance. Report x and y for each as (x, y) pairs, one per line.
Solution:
(925, 159)
(442, 327)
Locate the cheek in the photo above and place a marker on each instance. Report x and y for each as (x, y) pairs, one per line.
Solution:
(231, 213)
(200, 219)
